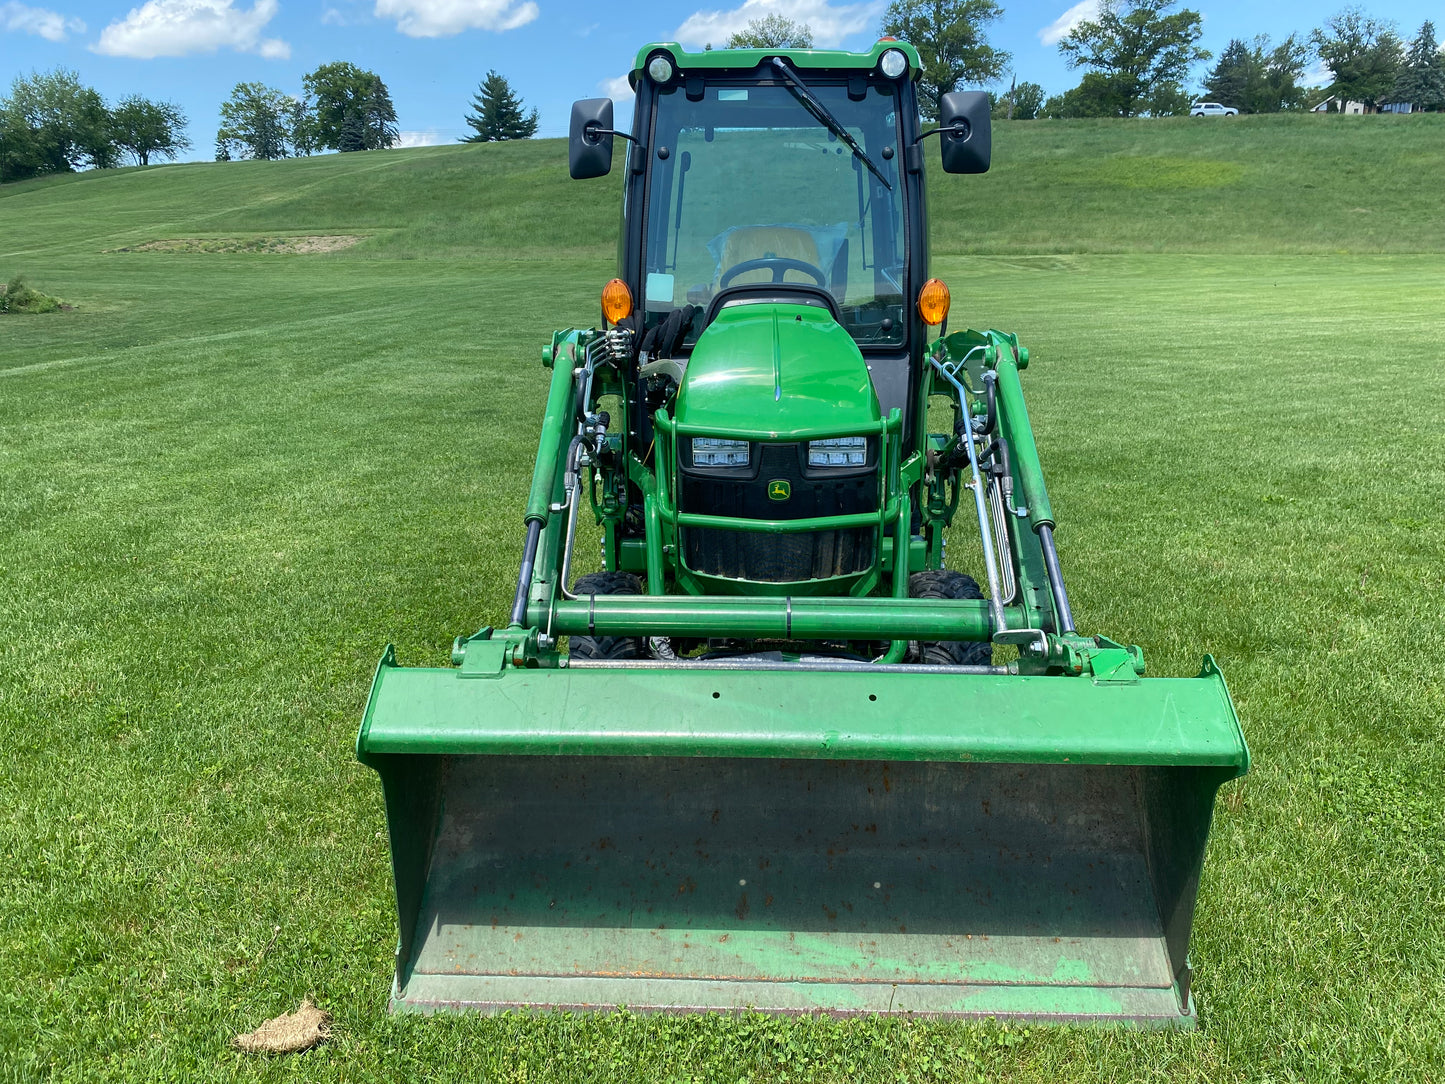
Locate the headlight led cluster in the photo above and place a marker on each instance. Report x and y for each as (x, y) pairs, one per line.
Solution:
(716, 452)
(838, 452)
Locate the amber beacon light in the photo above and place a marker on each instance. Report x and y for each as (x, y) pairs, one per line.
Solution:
(933, 302)
(617, 301)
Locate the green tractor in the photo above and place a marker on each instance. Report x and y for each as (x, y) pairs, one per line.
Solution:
(767, 757)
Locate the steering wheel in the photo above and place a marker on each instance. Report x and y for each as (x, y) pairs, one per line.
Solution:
(778, 265)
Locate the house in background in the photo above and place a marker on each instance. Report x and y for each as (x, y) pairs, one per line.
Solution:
(1333, 104)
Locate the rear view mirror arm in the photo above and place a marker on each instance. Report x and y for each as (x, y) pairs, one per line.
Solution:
(959, 129)
(593, 134)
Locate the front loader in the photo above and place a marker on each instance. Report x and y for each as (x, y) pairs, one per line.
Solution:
(782, 752)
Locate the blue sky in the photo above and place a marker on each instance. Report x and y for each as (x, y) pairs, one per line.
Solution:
(433, 53)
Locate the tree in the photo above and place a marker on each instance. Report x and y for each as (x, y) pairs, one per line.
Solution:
(1022, 102)
(1363, 55)
(223, 151)
(1422, 80)
(54, 124)
(254, 122)
(302, 119)
(352, 136)
(1284, 73)
(950, 39)
(351, 98)
(378, 117)
(1095, 96)
(1235, 77)
(1258, 78)
(1141, 53)
(773, 32)
(20, 153)
(497, 113)
(143, 128)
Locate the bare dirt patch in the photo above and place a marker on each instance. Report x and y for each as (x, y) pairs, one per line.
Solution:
(300, 245)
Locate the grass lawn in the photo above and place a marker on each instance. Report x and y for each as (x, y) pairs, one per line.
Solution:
(228, 479)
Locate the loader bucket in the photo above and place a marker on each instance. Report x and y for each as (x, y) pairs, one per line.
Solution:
(978, 845)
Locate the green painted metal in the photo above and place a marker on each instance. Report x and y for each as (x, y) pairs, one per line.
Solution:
(796, 842)
(1024, 842)
(557, 424)
(776, 372)
(747, 59)
(774, 526)
(844, 714)
(785, 618)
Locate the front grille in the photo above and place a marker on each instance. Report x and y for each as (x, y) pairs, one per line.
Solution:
(779, 558)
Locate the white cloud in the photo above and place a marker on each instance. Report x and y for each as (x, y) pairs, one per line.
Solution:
(50, 25)
(1318, 76)
(618, 88)
(430, 138)
(183, 27)
(1058, 30)
(830, 23)
(442, 18)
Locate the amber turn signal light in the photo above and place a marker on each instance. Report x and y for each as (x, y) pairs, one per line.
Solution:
(933, 302)
(616, 301)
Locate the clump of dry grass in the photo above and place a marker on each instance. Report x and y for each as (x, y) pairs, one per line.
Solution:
(288, 1033)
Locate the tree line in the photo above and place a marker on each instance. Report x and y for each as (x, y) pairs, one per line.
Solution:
(1135, 54)
(53, 123)
(1136, 57)
(345, 108)
(341, 108)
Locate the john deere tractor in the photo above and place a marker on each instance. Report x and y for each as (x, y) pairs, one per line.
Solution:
(787, 750)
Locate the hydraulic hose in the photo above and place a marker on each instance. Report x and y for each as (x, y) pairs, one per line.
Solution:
(524, 580)
(1056, 579)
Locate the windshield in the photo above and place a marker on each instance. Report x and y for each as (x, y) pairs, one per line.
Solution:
(749, 188)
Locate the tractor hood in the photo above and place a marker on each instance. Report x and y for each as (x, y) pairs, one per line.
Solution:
(771, 371)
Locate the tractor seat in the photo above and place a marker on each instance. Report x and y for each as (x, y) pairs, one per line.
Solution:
(767, 242)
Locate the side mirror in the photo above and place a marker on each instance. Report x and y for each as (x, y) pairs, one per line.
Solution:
(965, 134)
(589, 149)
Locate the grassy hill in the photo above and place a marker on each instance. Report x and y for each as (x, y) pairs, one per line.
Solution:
(1316, 184)
(231, 475)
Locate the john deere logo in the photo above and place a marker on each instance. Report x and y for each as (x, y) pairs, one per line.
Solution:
(779, 489)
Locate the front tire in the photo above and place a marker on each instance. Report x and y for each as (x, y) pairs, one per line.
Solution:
(945, 583)
(606, 647)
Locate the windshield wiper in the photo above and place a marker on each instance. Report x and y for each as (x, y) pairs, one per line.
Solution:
(825, 117)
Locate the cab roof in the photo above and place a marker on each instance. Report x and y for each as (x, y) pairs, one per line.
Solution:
(748, 59)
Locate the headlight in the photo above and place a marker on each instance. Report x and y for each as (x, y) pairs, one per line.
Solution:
(893, 63)
(660, 68)
(838, 452)
(716, 452)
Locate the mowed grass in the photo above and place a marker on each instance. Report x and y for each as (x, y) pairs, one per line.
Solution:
(227, 480)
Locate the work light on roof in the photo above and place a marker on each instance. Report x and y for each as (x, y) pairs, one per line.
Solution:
(659, 68)
(893, 63)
